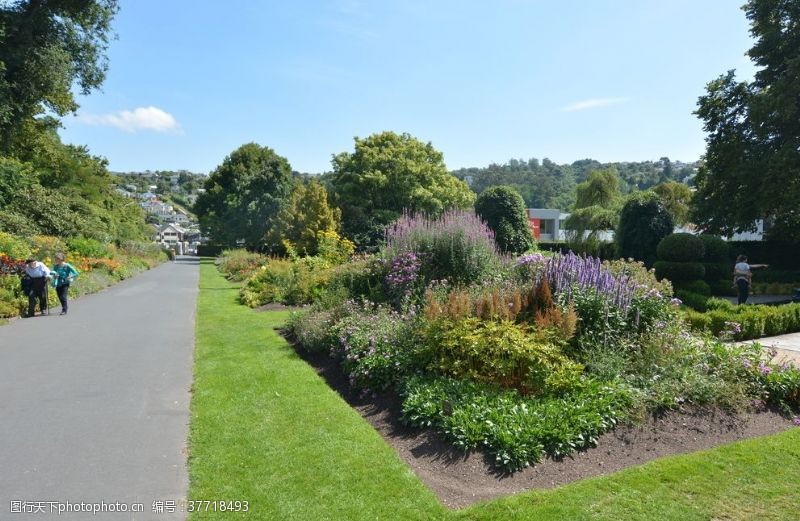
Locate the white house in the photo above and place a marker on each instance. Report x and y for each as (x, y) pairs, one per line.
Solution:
(172, 236)
(547, 224)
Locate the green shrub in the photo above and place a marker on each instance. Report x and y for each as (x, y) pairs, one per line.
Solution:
(502, 353)
(681, 247)
(715, 271)
(15, 247)
(287, 282)
(723, 288)
(695, 286)
(716, 249)
(362, 277)
(503, 209)
(755, 321)
(88, 247)
(314, 329)
(46, 247)
(720, 303)
(517, 431)
(377, 347)
(693, 300)
(679, 271)
(643, 222)
(238, 265)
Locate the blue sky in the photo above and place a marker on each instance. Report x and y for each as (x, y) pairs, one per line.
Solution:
(614, 80)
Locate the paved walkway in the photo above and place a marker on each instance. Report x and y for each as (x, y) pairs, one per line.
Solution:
(788, 346)
(94, 406)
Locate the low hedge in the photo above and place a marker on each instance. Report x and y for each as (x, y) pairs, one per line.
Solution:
(754, 321)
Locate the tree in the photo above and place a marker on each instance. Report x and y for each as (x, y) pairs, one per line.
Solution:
(243, 195)
(596, 209)
(387, 174)
(751, 167)
(46, 46)
(676, 198)
(306, 214)
(643, 222)
(504, 211)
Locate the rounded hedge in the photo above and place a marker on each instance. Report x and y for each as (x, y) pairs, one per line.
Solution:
(679, 271)
(681, 247)
(504, 211)
(716, 248)
(700, 287)
(716, 271)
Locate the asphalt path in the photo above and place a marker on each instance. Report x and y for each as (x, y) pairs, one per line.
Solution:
(94, 405)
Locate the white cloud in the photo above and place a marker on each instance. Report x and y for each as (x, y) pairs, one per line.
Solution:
(593, 104)
(142, 118)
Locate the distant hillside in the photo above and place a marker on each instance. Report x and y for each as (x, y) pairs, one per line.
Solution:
(546, 184)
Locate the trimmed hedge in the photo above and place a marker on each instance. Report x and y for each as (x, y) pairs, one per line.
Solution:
(681, 247)
(209, 250)
(716, 271)
(605, 250)
(755, 321)
(716, 250)
(779, 255)
(679, 271)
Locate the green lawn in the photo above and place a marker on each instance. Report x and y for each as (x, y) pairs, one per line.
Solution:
(266, 429)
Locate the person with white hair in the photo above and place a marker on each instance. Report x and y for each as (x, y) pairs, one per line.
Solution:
(39, 274)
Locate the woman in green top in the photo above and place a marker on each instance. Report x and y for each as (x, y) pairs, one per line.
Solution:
(63, 274)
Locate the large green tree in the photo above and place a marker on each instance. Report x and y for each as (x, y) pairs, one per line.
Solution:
(752, 161)
(504, 211)
(389, 173)
(243, 196)
(46, 48)
(677, 199)
(305, 214)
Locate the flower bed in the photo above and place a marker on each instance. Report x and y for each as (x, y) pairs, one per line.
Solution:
(122, 262)
(538, 360)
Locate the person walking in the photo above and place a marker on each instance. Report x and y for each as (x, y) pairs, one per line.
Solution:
(38, 273)
(64, 273)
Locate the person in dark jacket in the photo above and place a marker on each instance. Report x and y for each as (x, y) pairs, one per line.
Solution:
(39, 274)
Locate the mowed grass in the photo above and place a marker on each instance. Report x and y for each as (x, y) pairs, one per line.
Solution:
(266, 429)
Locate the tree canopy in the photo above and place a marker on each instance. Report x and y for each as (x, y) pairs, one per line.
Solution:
(386, 174)
(306, 214)
(47, 47)
(752, 161)
(504, 211)
(597, 203)
(243, 196)
(677, 199)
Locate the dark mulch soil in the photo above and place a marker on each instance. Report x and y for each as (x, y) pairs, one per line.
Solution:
(460, 479)
(277, 306)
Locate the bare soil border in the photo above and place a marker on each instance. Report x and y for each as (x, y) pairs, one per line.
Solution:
(460, 479)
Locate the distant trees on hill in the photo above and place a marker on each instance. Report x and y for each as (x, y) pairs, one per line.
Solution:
(546, 184)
